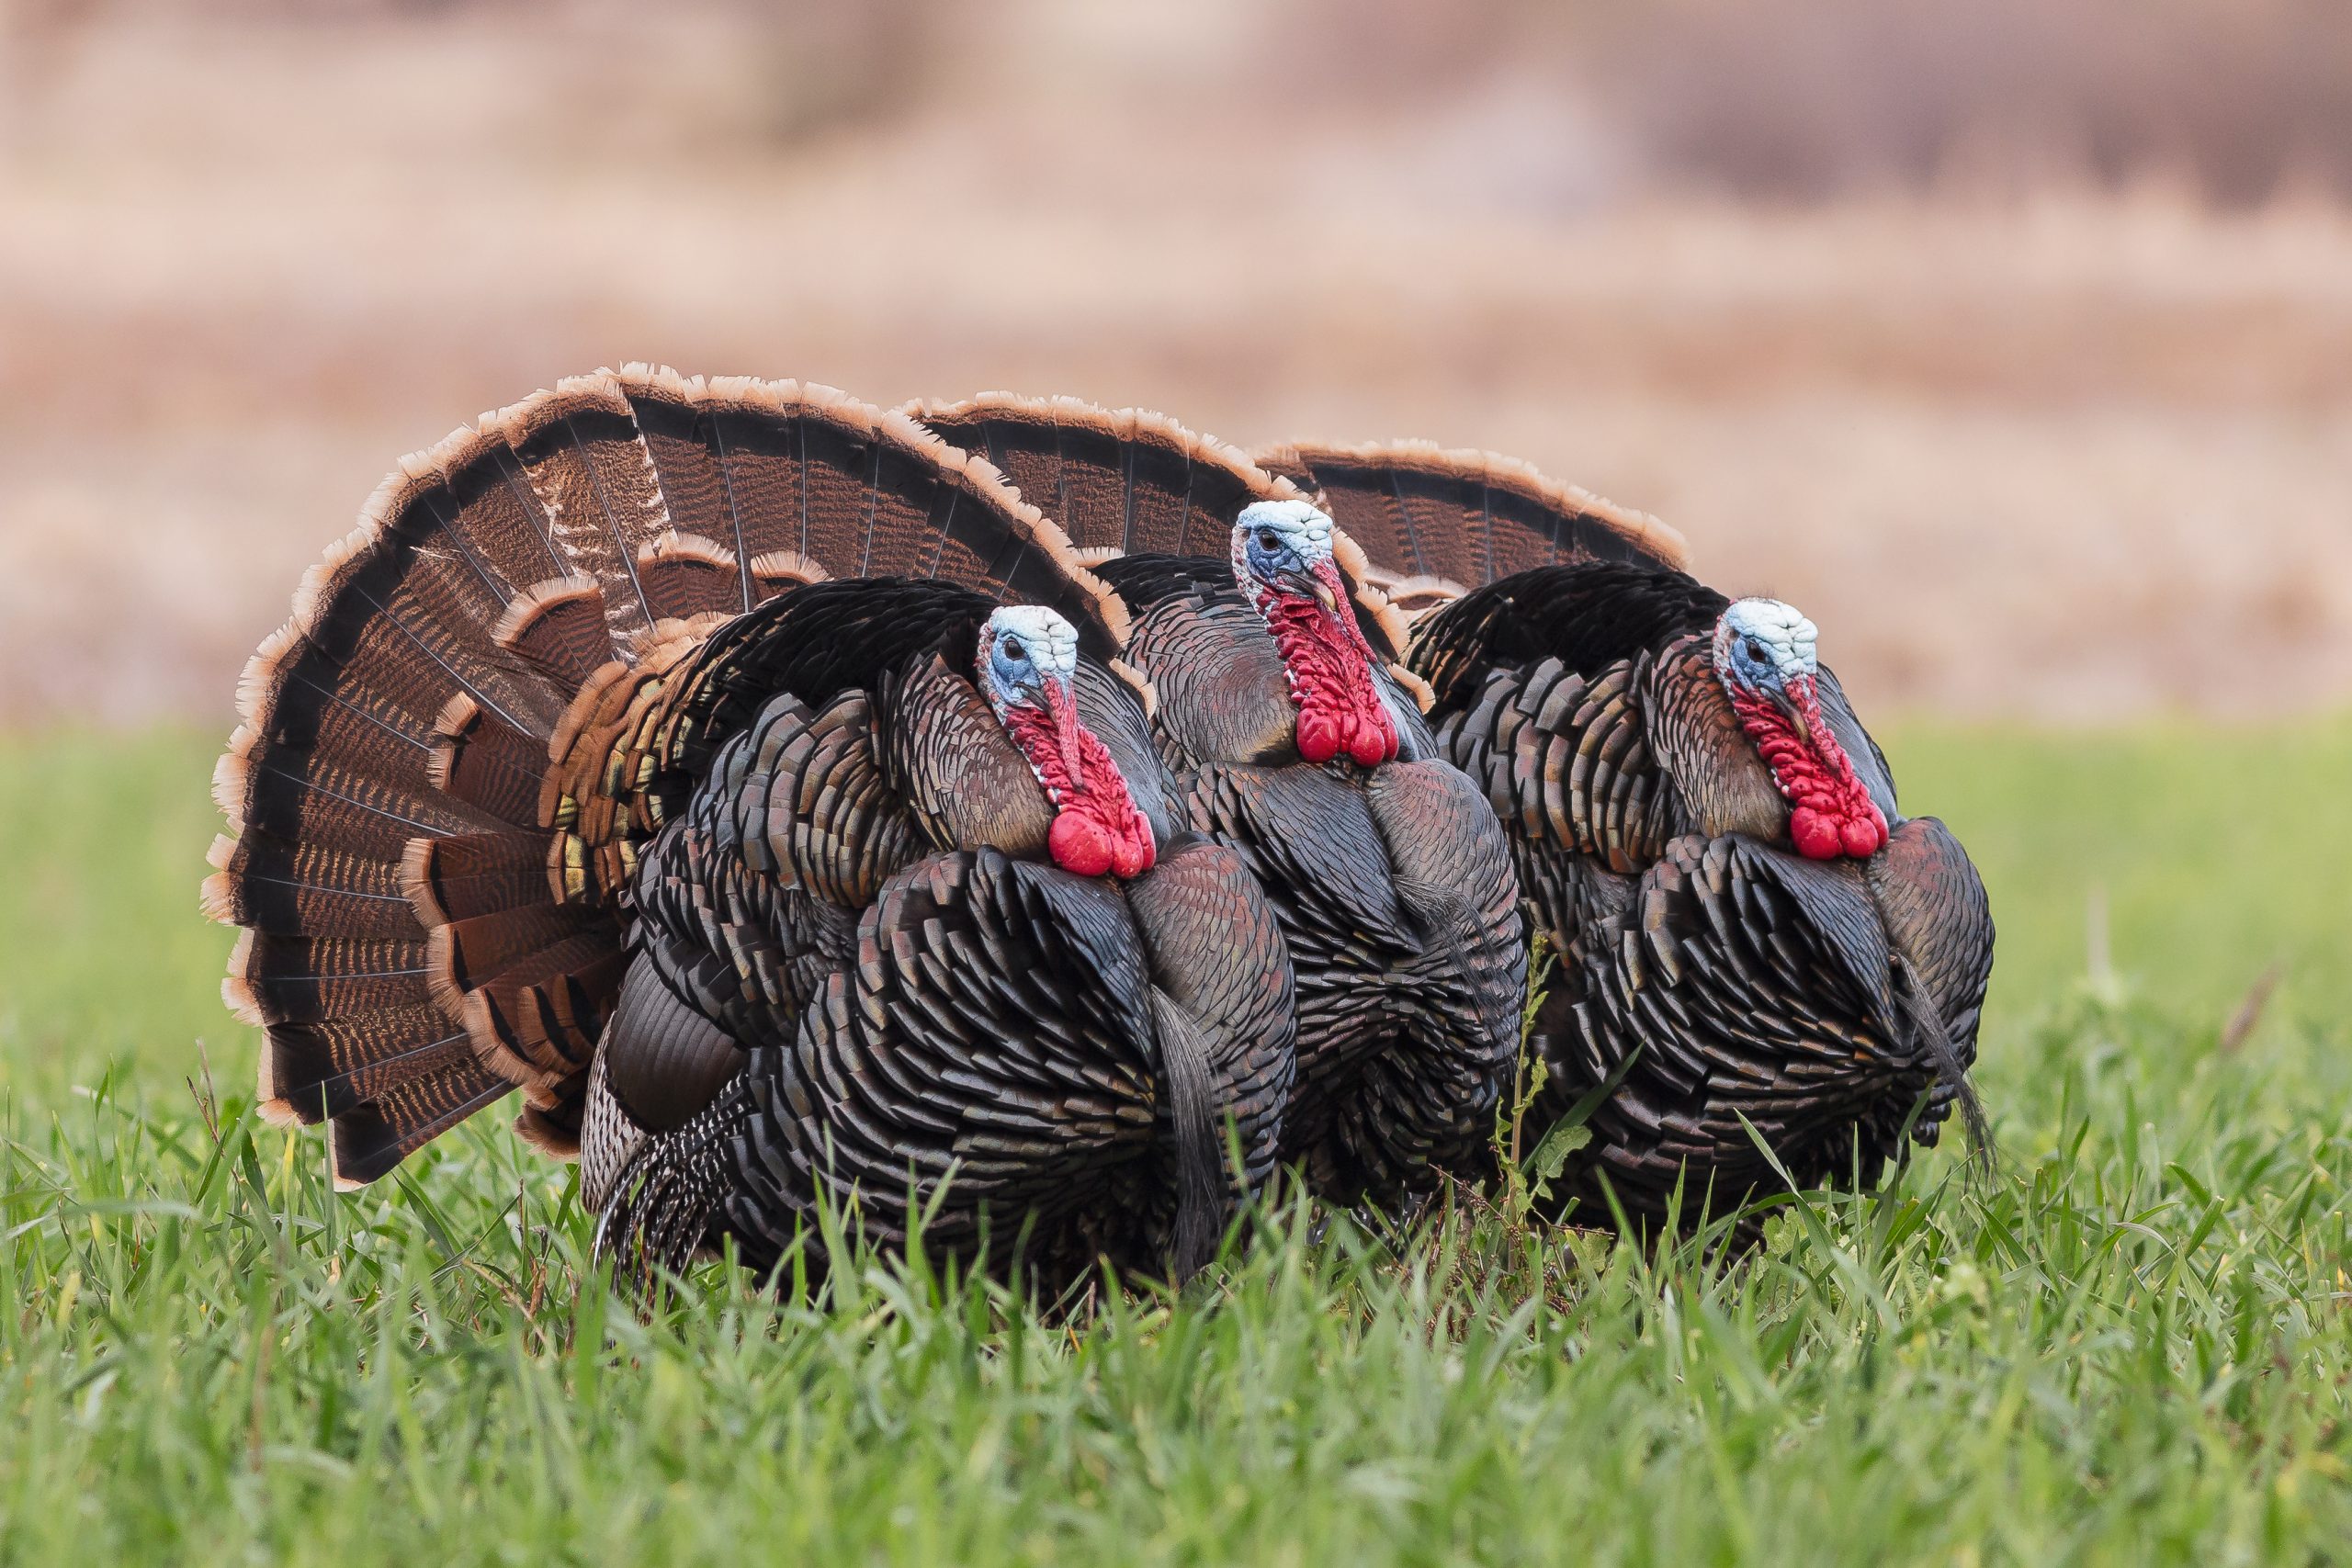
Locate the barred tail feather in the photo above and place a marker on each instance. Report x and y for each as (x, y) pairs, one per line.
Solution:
(1128, 482)
(788, 482)
(384, 784)
(425, 829)
(1124, 479)
(1437, 522)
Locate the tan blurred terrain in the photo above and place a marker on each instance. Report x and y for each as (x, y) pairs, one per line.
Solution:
(2053, 436)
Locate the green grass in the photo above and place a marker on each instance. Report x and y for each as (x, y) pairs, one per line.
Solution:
(2132, 1346)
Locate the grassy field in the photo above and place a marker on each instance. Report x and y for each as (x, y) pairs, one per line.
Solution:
(2129, 1346)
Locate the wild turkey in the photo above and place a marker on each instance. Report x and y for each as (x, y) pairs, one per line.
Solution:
(1297, 740)
(1746, 927)
(659, 748)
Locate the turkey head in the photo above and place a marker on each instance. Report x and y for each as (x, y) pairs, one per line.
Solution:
(1028, 664)
(1282, 560)
(1764, 656)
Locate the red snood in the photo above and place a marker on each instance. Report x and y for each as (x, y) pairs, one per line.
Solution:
(1097, 830)
(1329, 664)
(1830, 813)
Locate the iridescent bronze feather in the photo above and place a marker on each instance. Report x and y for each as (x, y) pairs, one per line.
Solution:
(1391, 885)
(1725, 980)
(629, 754)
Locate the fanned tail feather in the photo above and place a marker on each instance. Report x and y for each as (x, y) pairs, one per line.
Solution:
(796, 483)
(436, 788)
(1118, 479)
(1437, 522)
(1127, 481)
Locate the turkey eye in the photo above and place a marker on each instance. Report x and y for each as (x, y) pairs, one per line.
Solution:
(1755, 651)
(1267, 541)
(1011, 647)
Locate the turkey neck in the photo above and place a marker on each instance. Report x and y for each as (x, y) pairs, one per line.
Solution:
(1225, 692)
(1745, 767)
(971, 783)
(1698, 740)
(1097, 829)
(1330, 668)
(1830, 814)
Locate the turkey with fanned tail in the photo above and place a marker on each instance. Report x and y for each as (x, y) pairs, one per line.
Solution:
(1298, 740)
(735, 770)
(1749, 932)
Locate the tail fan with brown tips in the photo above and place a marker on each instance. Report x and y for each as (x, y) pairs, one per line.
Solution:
(1437, 522)
(1127, 481)
(429, 794)
(1124, 479)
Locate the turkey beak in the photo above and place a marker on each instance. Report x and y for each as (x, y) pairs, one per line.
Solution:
(1303, 584)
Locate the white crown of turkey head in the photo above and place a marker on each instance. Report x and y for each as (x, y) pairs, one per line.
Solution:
(1027, 646)
(1299, 525)
(1282, 560)
(1759, 638)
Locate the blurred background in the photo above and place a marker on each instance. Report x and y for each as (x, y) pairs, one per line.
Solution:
(2011, 339)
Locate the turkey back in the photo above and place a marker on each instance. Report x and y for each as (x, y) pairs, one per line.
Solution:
(429, 816)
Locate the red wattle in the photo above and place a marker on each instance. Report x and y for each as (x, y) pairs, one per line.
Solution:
(1080, 846)
(1097, 830)
(1330, 666)
(1831, 813)
(1816, 836)
(1318, 734)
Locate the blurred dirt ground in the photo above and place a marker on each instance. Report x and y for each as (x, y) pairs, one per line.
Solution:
(2066, 451)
